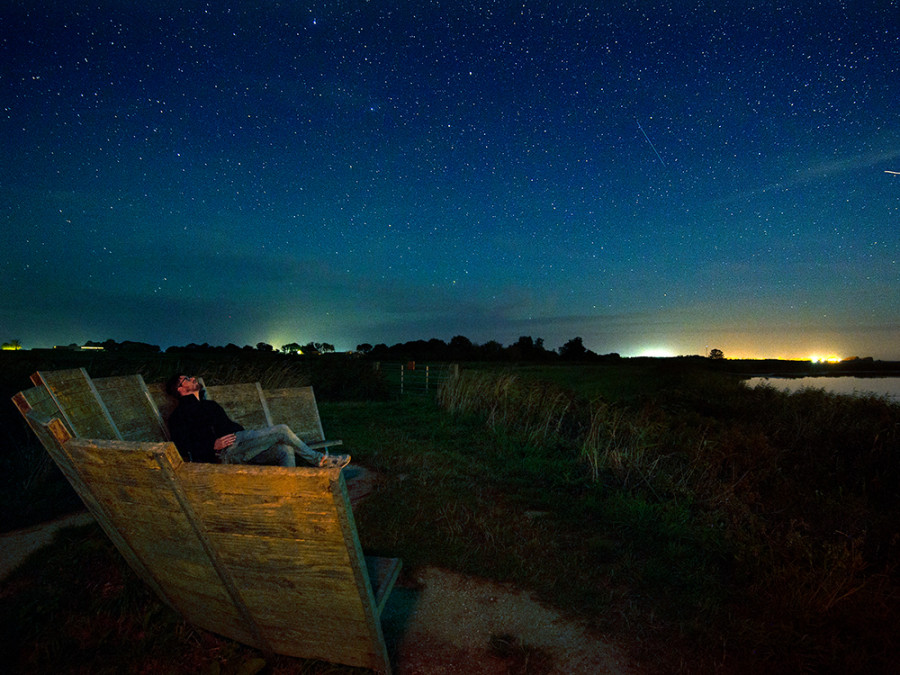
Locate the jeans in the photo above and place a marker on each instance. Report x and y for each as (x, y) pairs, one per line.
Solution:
(275, 445)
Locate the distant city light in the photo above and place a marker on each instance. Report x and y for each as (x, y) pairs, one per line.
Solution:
(656, 352)
(825, 359)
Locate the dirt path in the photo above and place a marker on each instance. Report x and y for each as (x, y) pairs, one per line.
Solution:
(453, 624)
(16, 546)
(442, 623)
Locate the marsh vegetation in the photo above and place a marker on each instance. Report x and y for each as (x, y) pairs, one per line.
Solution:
(708, 525)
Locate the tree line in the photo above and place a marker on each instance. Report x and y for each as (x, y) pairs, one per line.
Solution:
(459, 348)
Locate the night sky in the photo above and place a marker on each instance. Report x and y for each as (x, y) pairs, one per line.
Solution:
(654, 177)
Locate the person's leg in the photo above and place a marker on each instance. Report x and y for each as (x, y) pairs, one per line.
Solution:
(277, 455)
(251, 442)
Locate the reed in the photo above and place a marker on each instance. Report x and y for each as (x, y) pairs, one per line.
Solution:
(537, 410)
(618, 442)
(798, 489)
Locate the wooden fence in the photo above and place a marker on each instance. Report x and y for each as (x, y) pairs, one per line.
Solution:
(417, 378)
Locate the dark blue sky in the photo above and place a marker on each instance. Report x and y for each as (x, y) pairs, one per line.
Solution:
(654, 177)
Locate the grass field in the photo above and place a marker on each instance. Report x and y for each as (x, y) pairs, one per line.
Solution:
(708, 526)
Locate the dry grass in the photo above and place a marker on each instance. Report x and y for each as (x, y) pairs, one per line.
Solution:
(800, 489)
(535, 409)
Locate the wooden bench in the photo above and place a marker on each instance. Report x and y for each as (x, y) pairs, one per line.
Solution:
(268, 556)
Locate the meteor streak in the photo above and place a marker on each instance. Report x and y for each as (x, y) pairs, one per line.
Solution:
(650, 142)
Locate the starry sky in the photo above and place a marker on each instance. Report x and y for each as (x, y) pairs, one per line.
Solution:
(654, 177)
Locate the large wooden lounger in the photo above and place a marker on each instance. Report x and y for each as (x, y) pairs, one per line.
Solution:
(268, 556)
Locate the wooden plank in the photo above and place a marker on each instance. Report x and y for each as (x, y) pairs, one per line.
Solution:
(55, 438)
(265, 555)
(38, 408)
(180, 561)
(168, 464)
(132, 408)
(354, 548)
(244, 403)
(78, 402)
(383, 574)
(304, 511)
(297, 408)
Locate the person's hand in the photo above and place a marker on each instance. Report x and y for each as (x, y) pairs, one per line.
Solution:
(224, 442)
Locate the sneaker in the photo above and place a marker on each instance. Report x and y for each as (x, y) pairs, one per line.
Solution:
(333, 461)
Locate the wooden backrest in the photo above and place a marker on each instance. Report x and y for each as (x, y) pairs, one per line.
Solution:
(251, 407)
(78, 402)
(265, 555)
(244, 403)
(297, 408)
(54, 436)
(37, 404)
(132, 408)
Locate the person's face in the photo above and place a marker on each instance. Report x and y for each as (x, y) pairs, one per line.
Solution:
(188, 385)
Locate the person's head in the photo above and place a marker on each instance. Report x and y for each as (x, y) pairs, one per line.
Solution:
(181, 385)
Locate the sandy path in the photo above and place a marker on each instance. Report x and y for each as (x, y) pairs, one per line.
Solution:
(456, 624)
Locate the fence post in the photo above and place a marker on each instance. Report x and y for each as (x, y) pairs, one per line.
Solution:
(402, 370)
(426, 377)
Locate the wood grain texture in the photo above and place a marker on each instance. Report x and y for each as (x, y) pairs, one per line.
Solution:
(79, 404)
(244, 403)
(268, 556)
(296, 407)
(282, 533)
(132, 408)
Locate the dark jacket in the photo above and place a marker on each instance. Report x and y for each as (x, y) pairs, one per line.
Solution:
(196, 424)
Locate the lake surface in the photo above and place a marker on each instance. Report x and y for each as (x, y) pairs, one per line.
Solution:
(882, 386)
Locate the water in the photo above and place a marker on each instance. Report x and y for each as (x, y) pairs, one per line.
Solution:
(881, 386)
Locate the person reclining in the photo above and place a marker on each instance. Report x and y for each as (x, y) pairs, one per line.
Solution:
(203, 432)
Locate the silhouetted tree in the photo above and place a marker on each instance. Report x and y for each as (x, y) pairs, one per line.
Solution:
(573, 350)
(125, 346)
(380, 351)
(364, 348)
(491, 350)
(716, 354)
(527, 349)
(290, 348)
(130, 346)
(460, 349)
(264, 347)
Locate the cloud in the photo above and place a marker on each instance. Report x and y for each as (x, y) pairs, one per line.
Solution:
(815, 171)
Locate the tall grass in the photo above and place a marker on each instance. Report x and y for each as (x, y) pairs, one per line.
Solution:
(537, 410)
(800, 489)
(620, 443)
